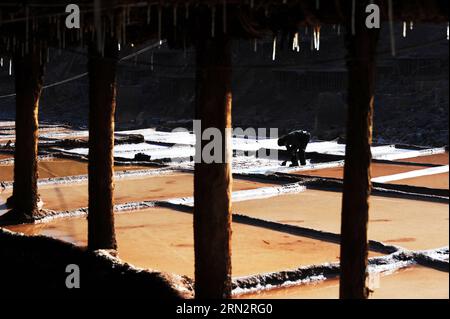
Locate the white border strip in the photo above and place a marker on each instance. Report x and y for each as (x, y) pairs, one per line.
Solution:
(250, 194)
(412, 174)
(408, 154)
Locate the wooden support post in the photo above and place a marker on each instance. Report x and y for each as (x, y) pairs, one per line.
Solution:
(102, 98)
(29, 74)
(361, 48)
(212, 182)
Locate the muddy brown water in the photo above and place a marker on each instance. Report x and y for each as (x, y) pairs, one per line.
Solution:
(162, 239)
(377, 170)
(440, 159)
(439, 181)
(72, 196)
(408, 223)
(57, 167)
(411, 283)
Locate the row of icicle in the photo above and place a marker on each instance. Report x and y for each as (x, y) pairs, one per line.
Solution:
(315, 43)
(100, 29)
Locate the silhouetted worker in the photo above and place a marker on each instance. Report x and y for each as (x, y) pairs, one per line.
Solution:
(295, 143)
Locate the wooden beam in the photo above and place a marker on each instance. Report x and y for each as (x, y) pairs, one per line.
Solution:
(361, 48)
(29, 73)
(212, 182)
(102, 97)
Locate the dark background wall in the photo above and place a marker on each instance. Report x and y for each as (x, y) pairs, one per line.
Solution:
(304, 90)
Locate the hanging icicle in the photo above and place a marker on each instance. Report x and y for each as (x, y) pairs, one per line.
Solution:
(41, 62)
(274, 49)
(64, 38)
(447, 31)
(175, 15)
(296, 43)
(213, 21)
(404, 29)
(317, 38)
(224, 16)
(81, 34)
(160, 24)
(353, 17)
(411, 25)
(58, 32)
(149, 12)
(111, 26)
(27, 18)
(10, 67)
(391, 27)
(103, 38)
(78, 32)
(1, 62)
(255, 45)
(151, 62)
(184, 50)
(98, 25)
(124, 27)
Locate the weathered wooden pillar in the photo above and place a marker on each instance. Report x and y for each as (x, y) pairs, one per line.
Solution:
(212, 181)
(102, 98)
(361, 48)
(29, 74)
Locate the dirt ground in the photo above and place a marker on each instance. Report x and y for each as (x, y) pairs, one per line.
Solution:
(163, 239)
(411, 283)
(58, 168)
(439, 181)
(377, 170)
(72, 196)
(408, 223)
(441, 159)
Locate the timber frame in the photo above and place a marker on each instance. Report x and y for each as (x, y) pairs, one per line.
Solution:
(32, 26)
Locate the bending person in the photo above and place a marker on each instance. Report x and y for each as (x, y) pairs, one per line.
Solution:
(295, 143)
